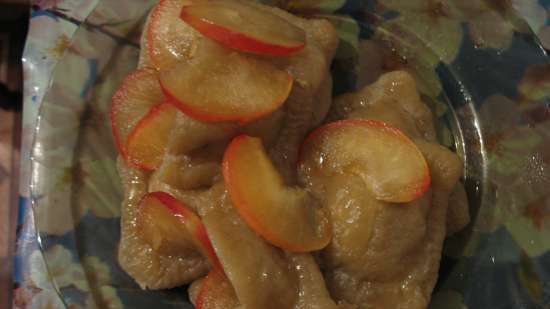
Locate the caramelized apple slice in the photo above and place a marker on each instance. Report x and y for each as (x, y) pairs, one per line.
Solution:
(216, 292)
(169, 41)
(221, 85)
(389, 163)
(259, 272)
(244, 27)
(285, 216)
(148, 141)
(134, 98)
(170, 226)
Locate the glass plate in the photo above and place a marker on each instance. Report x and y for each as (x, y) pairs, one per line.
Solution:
(478, 66)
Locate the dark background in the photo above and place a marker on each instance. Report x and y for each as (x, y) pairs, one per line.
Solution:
(14, 16)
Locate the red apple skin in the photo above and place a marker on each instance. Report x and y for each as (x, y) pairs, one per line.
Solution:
(190, 220)
(120, 98)
(236, 40)
(156, 111)
(256, 218)
(216, 292)
(315, 134)
(165, 27)
(199, 114)
(178, 91)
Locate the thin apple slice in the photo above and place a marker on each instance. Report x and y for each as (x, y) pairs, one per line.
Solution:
(148, 141)
(390, 164)
(221, 85)
(244, 27)
(171, 227)
(259, 272)
(216, 292)
(133, 99)
(169, 41)
(285, 216)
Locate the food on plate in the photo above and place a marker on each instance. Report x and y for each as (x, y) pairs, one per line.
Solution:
(172, 227)
(394, 99)
(365, 258)
(134, 98)
(287, 217)
(150, 268)
(258, 272)
(390, 165)
(312, 290)
(243, 178)
(221, 85)
(166, 39)
(244, 27)
(148, 140)
(216, 292)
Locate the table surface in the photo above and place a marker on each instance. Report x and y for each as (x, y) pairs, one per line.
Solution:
(11, 126)
(9, 160)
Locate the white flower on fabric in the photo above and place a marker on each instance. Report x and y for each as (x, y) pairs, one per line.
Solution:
(435, 23)
(46, 299)
(77, 8)
(60, 269)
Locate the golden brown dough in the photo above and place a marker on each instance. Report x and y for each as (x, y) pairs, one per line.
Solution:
(394, 99)
(258, 271)
(150, 269)
(387, 255)
(382, 255)
(399, 267)
(186, 172)
(262, 276)
(303, 110)
(458, 215)
(312, 291)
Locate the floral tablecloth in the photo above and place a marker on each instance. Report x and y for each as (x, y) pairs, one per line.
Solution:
(52, 25)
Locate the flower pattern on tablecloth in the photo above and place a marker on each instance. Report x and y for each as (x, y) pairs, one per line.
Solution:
(60, 266)
(46, 299)
(477, 55)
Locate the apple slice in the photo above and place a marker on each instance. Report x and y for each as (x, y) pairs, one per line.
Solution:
(133, 99)
(285, 216)
(390, 164)
(148, 141)
(259, 273)
(221, 85)
(244, 27)
(169, 41)
(172, 227)
(216, 292)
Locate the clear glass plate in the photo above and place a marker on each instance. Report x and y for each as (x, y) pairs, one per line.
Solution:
(482, 71)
